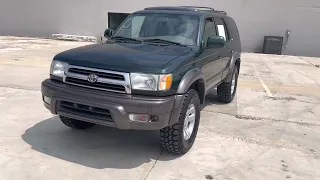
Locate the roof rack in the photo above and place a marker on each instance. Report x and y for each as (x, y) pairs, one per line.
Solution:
(200, 8)
(177, 8)
(222, 12)
(186, 8)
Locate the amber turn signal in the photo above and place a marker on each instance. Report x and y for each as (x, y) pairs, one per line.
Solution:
(165, 82)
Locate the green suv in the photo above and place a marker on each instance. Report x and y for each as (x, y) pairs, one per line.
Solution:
(152, 73)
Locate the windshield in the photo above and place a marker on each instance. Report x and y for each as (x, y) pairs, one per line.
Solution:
(179, 28)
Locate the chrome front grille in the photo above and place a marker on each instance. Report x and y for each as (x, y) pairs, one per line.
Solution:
(100, 74)
(106, 80)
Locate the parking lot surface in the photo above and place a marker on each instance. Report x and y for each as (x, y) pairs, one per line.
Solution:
(270, 131)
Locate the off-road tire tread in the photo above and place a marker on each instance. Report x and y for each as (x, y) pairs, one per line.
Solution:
(75, 124)
(170, 136)
(224, 90)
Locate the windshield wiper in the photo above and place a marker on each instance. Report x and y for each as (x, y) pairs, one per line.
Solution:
(121, 38)
(163, 41)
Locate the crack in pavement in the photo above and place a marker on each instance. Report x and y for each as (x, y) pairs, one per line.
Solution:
(261, 142)
(19, 88)
(255, 118)
(154, 165)
(238, 168)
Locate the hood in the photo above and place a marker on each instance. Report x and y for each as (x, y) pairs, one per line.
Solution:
(124, 57)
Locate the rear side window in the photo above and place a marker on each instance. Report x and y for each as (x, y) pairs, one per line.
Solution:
(221, 28)
(209, 29)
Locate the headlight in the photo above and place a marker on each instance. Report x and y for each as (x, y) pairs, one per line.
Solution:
(144, 81)
(150, 82)
(58, 68)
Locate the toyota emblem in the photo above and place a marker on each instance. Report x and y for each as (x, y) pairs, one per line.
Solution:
(92, 78)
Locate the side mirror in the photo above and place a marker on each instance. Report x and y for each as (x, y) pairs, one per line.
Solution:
(108, 33)
(216, 42)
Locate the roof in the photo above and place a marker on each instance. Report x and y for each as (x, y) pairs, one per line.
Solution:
(194, 9)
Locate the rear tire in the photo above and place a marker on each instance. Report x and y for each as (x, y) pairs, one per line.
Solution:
(75, 124)
(227, 90)
(179, 138)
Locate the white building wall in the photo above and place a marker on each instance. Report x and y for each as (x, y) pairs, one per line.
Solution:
(255, 18)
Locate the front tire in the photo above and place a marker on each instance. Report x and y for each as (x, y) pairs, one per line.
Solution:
(75, 124)
(227, 90)
(179, 138)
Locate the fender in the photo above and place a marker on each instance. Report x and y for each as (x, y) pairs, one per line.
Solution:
(189, 78)
(235, 56)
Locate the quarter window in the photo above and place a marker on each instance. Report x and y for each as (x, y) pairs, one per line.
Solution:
(221, 28)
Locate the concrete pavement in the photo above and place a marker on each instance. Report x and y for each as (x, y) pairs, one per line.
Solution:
(270, 131)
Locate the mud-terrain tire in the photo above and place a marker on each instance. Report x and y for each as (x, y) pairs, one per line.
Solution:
(227, 90)
(75, 124)
(174, 138)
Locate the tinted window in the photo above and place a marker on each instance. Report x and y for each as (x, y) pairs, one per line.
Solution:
(209, 30)
(179, 28)
(221, 28)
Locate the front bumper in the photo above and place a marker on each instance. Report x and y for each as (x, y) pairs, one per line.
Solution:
(167, 109)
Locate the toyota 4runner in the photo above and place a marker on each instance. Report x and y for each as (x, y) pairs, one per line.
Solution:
(152, 73)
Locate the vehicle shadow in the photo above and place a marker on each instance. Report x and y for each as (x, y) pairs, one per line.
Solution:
(212, 104)
(212, 99)
(99, 147)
